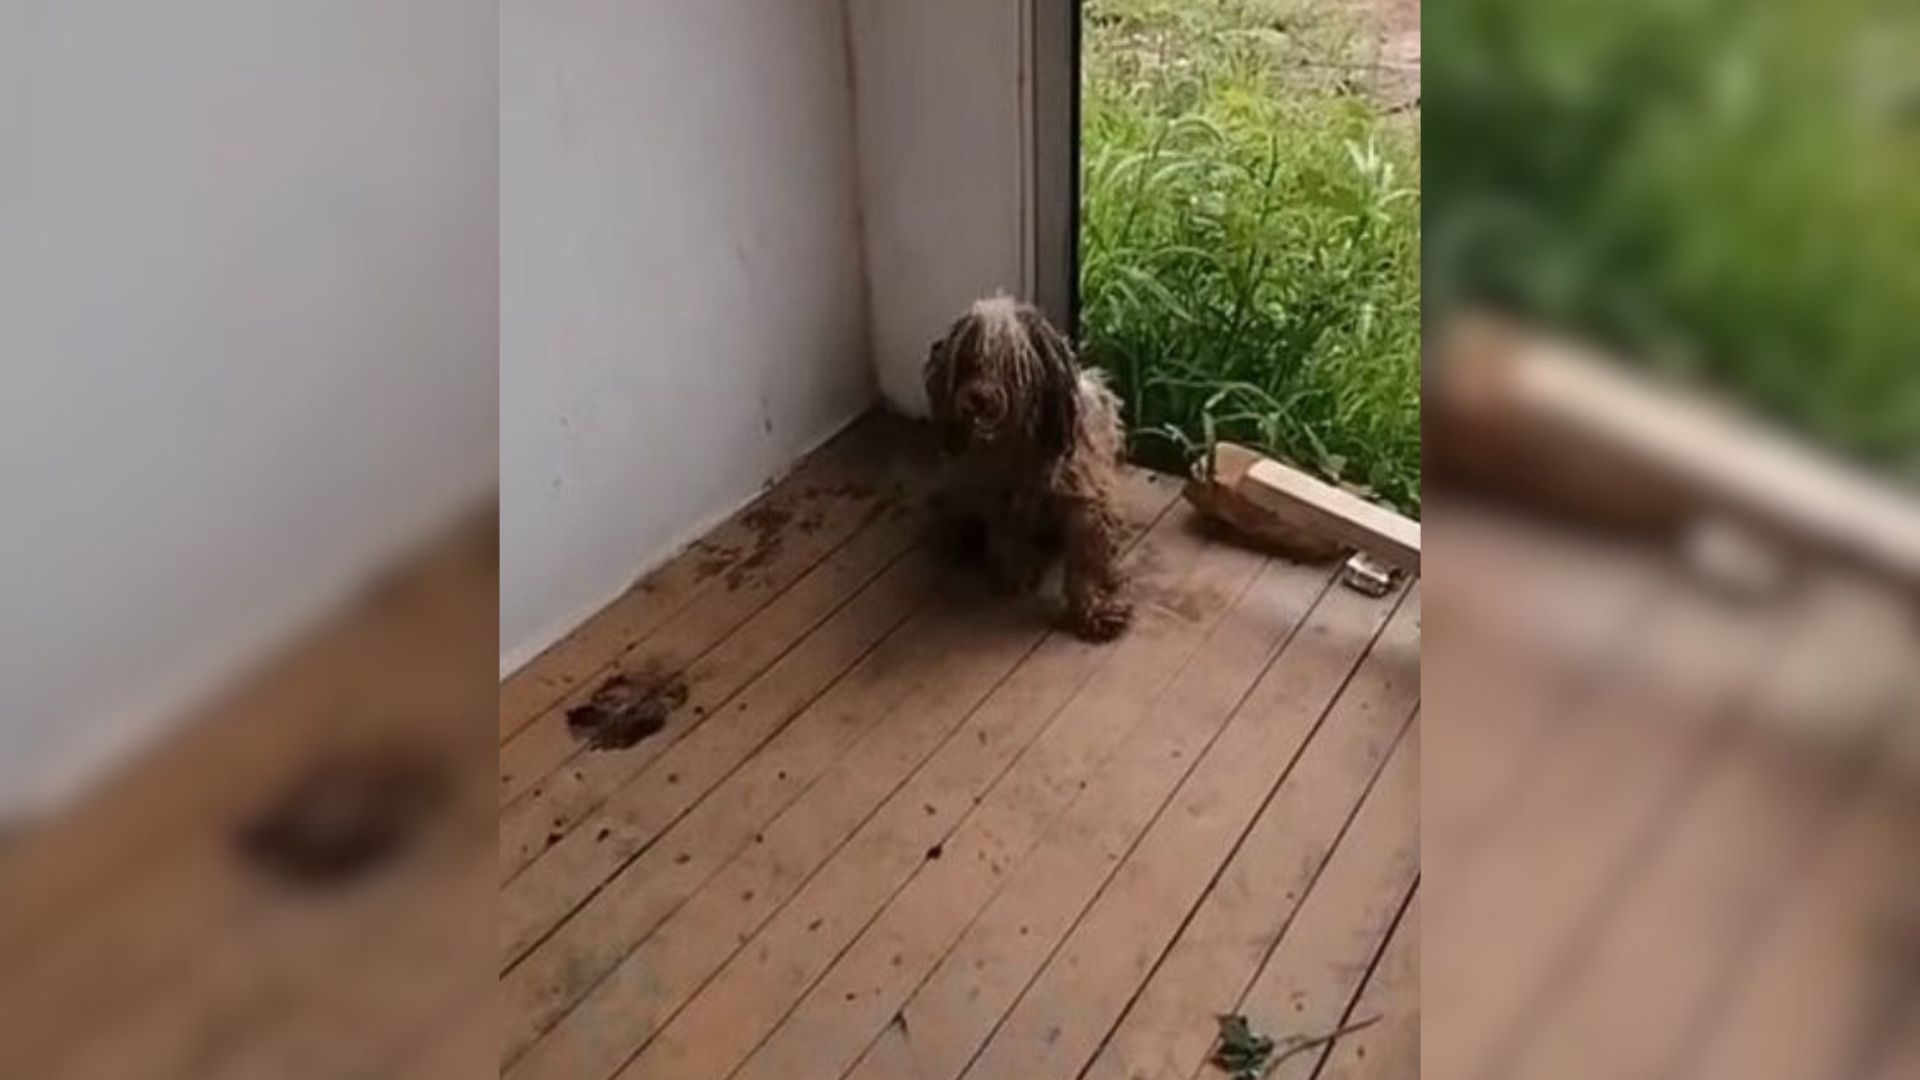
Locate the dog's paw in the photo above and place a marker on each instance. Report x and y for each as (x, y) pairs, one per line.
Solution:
(1104, 621)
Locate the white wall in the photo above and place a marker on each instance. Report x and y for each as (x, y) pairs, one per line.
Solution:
(681, 310)
(942, 115)
(247, 337)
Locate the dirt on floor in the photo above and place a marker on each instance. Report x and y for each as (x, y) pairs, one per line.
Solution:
(627, 708)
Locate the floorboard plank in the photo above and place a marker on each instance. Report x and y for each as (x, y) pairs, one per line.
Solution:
(243, 983)
(1813, 986)
(463, 1051)
(569, 919)
(1564, 614)
(395, 665)
(1071, 1007)
(536, 901)
(953, 1013)
(1170, 1024)
(1652, 968)
(789, 837)
(411, 634)
(841, 466)
(1309, 983)
(355, 1013)
(147, 931)
(629, 823)
(975, 651)
(585, 780)
(1390, 1048)
(723, 1025)
(1498, 920)
(810, 564)
(835, 1019)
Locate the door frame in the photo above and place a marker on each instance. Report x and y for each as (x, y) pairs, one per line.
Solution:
(1051, 36)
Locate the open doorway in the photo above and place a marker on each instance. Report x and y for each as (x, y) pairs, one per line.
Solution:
(1227, 205)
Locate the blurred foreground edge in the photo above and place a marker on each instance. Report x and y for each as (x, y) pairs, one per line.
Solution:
(1544, 420)
(298, 880)
(1671, 789)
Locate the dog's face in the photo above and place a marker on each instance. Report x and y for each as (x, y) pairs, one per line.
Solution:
(979, 389)
(1003, 378)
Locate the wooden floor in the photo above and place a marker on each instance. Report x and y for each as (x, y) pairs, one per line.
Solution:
(135, 941)
(1671, 833)
(898, 827)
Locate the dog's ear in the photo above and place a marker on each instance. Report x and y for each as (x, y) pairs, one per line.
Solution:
(1059, 388)
(938, 375)
(935, 371)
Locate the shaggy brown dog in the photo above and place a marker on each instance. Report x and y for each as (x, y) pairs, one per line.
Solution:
(1036, 446)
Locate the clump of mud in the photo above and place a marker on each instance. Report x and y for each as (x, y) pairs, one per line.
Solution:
(347, 814)
(767, 523)
(626, 709)
(714, 559)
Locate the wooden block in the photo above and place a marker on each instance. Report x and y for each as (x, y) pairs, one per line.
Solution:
(1216, 493)
(1324, 510)
(1599, 436)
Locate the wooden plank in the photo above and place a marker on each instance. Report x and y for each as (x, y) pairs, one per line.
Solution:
(975, 650)
(1309, 984)
(1523, 387)
(1662, 955)
(1813, 988)
(1390, 1048)
(415, 634)
(405, 663)
(849, 661)
(598, 939)
(239, 982)
(463, 1051)
(1303, 699)
(581, 780)
(1501, 918)
(118, 955)
(806, 565)
(1816, 989)
(720, 1027)
(65, 877)
(736, 817)
(889, 953)
(953, 1011)
(1532, 621)
(536, 901)
(1324, 510)
(1344, 745)
(842, 468)
(352, 1015)
(578, 859)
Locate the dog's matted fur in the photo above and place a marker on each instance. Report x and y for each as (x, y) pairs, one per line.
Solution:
(1036, 443)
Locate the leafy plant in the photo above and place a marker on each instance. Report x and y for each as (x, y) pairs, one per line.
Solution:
(1724, 188)
(1244, 1055)
(1250, 241)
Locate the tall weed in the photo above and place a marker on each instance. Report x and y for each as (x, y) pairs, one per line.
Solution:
(1250, 241)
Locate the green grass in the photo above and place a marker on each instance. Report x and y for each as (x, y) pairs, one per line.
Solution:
(1728, 189)
(1250, 240)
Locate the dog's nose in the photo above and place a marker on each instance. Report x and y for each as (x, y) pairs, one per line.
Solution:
(981, 403)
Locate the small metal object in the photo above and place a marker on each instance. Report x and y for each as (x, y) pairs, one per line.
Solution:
(1363, 574)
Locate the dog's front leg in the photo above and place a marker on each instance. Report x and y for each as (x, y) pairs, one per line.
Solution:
(1095, 607)
(1015, 559)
